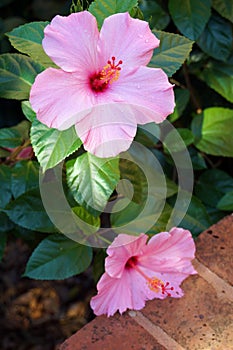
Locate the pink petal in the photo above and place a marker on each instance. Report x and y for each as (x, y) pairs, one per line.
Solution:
(174, 279)
(148, 92)
(60, 99)
(118, 294)
(108, 130)
(128, 39)
(170, 252)
(123, 247)
(71, 41)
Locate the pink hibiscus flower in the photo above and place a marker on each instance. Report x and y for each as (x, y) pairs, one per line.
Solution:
(103, 87)
(137, 271)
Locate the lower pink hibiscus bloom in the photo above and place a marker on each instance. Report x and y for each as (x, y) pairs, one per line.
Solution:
(137, 271)
(103, 86)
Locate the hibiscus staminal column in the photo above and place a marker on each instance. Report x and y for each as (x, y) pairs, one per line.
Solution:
(155, 284)
(110, 73)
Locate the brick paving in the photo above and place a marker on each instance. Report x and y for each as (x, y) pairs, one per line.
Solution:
(201, 320)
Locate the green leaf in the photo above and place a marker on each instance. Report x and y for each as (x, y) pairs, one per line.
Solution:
(219, 76)
(57, 257)
(5, 185)
(28, 211)
(216, 40)
(148, 134)
(27, 39)
(24, 177)
(98, 264)
(6, 224)
(10, 137)
(226, 202)
(196, 218)
(17, 73)
(28, 111)
(51, 146)
(14, 136)
(198, 161)
(186, 135)
(134, 183)
(190, 16)
(212, 185)
(102, 8)
(178, 144)
(182, 98)
(154, 14)
(3, 239)
(224, 8)
(4, 153)
(217, 131)
(133, 218)
(161, 224)
(171, 53)
(92, 180)
(85, 216)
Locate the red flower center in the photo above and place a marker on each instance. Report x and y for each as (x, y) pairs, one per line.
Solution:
(110, 73)
(155, 284)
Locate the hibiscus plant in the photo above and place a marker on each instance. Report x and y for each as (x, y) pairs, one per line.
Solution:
(122, 156)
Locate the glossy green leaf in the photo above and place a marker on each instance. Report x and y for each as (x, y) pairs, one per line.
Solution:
(133, 184)
(5, 185)
(3, 239)
(171, 53)
(182, 98)
(161, 224)
(102, 8)
(224, 8)
(196, 218)
(179, 144)
(28, 111)
(217, 131)
(154, 14)
(190, 16)
(133, 218)
(84, 216)
(57, 257)
(27, 39)
(51, 146)
(4, 153)
(148, 134)
(216, 40)
(10, 138)
(98, 264)
(6, 224)
(17, 73)
(24, 177)
(198, 161)
(226, 202)
(219, 76)
(212, 185)
(28, 211)
(186, 135)
(92, 180)
(14, 136)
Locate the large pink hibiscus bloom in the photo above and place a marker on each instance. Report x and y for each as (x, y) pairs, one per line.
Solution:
(103, 87)
(136, 271)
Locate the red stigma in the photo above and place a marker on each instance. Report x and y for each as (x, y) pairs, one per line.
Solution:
(110, 73)
(164, 288)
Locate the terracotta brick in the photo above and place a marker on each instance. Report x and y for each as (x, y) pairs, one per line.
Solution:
(114, 333)
(198, 321)
(215, 248)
